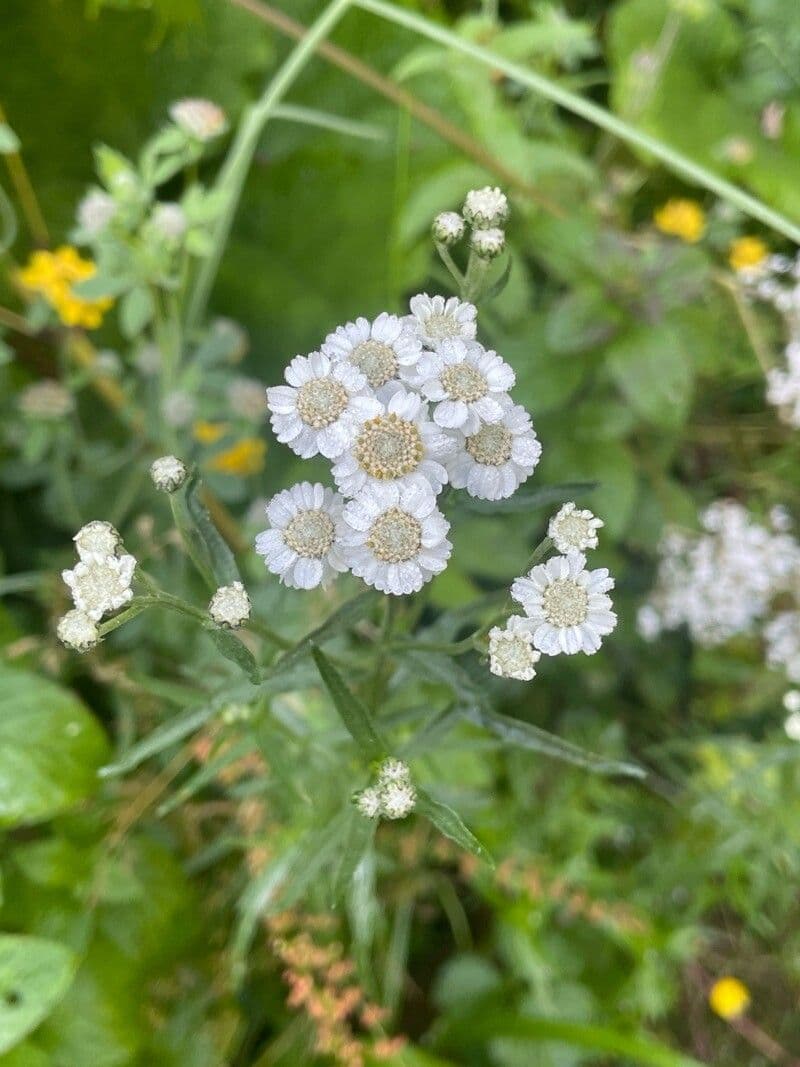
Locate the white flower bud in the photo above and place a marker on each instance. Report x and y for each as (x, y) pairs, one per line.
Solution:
(448, 227)
(791, 700)
(248, 398)
(100, 584)
(393, 770)
(572, 529)
(168, 473)
(368, 802)
(178, 408)
(397, 799)
(169, 221)
(485, 207)
(97, 538)
(230, 606)
(792, 726)
(47, 399)
(95, 211)
(488, 244)
(511, 651)
(77, 631)
(199, 118)
(148, 359)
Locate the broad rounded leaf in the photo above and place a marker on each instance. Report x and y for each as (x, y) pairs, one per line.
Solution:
(34, 974)
(50, 748)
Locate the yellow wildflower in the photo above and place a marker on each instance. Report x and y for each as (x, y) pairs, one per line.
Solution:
(747, 252)
(729, 998)
(681, 218)
(243, 458)
(208, 433)
(53, 274)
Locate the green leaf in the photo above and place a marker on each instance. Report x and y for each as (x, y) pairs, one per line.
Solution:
(136, 309)
(338, 621)
(163, 737)
(360, 833)
(523, 734)
(581, 320)
(233, 649)
(353, 712)
(50, 748)
(207, 548)
(449, 823)
(480, 1026)
(34, 975)
(9, 142)
(652, 369)
(526, 498)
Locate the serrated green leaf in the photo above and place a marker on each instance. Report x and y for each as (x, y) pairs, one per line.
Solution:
(450, 823)
(523, 734)
(34, 975)
(352, 710)
(50, 748)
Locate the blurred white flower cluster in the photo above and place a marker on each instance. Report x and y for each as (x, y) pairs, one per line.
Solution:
(100, 583)
(776, 280)
(736, 576)
(402, 407)
(391, 796)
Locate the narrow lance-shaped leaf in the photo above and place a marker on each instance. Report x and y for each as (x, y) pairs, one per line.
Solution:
(450, 823)
(206, 546)
(523, 734)
(527, 498)
(353, 712)
(359, 835)
(339, 620)
(233, 649)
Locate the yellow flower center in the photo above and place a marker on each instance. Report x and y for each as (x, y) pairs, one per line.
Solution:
(464, 382)
(395, 536)
(310, 533)
(388, 447)
(320, 402)
(565, 603)
(376, 361)
(491, 445)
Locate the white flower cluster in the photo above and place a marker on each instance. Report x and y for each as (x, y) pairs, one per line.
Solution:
(485, 211)
(733, 577)
(99, 584)
(391, 796)
(401, 407)
(567, 607)
(776, 281)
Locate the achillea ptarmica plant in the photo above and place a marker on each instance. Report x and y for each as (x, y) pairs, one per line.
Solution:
(168, 473)
(230, 606)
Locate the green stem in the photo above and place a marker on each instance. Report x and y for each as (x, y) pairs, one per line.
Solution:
(233, 174)
(474, 278)
(450, 263)
(673, 159)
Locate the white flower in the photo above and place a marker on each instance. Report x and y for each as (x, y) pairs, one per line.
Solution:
(399, 444)
(485, 207)
(148, 359)
(466, 384)
(511, 651)
(393, 770)
(435, 318)
(247, 398)
(47, 399)
(168, 473)
(782, 640)
(395, 539)
(199, 118)
(397, 799)
(169, 221)
(571, 529)
(302, 545)
(77, 631)
(567, 607)
(230, 606)
(95, 211)
(792, 726)
(233, 336)
(493, 462)
(100, 584)
(648, 622)
(178, 408)
(368, 802)
(791, 700)
(488, 244)
(448, 227)
(97, 538)
(322, 407)
(384, 350)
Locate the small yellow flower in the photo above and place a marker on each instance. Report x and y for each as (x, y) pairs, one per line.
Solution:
(747, 252)
(208, 433)
(243, 458)
(729, 998)
(681, 218)
(53, 274)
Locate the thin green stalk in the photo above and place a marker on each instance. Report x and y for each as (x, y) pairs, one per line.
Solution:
(450, 263)
(233, 174)
(598, 116)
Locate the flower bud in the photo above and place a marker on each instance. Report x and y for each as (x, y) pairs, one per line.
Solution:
(488, 244)
(486, 207)
(448, 228)
(77, 631)
(168, 473)
(230, 606)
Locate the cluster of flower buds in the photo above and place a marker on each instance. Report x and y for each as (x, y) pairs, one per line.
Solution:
(100, 583)
(392, 794)
(485, 212)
